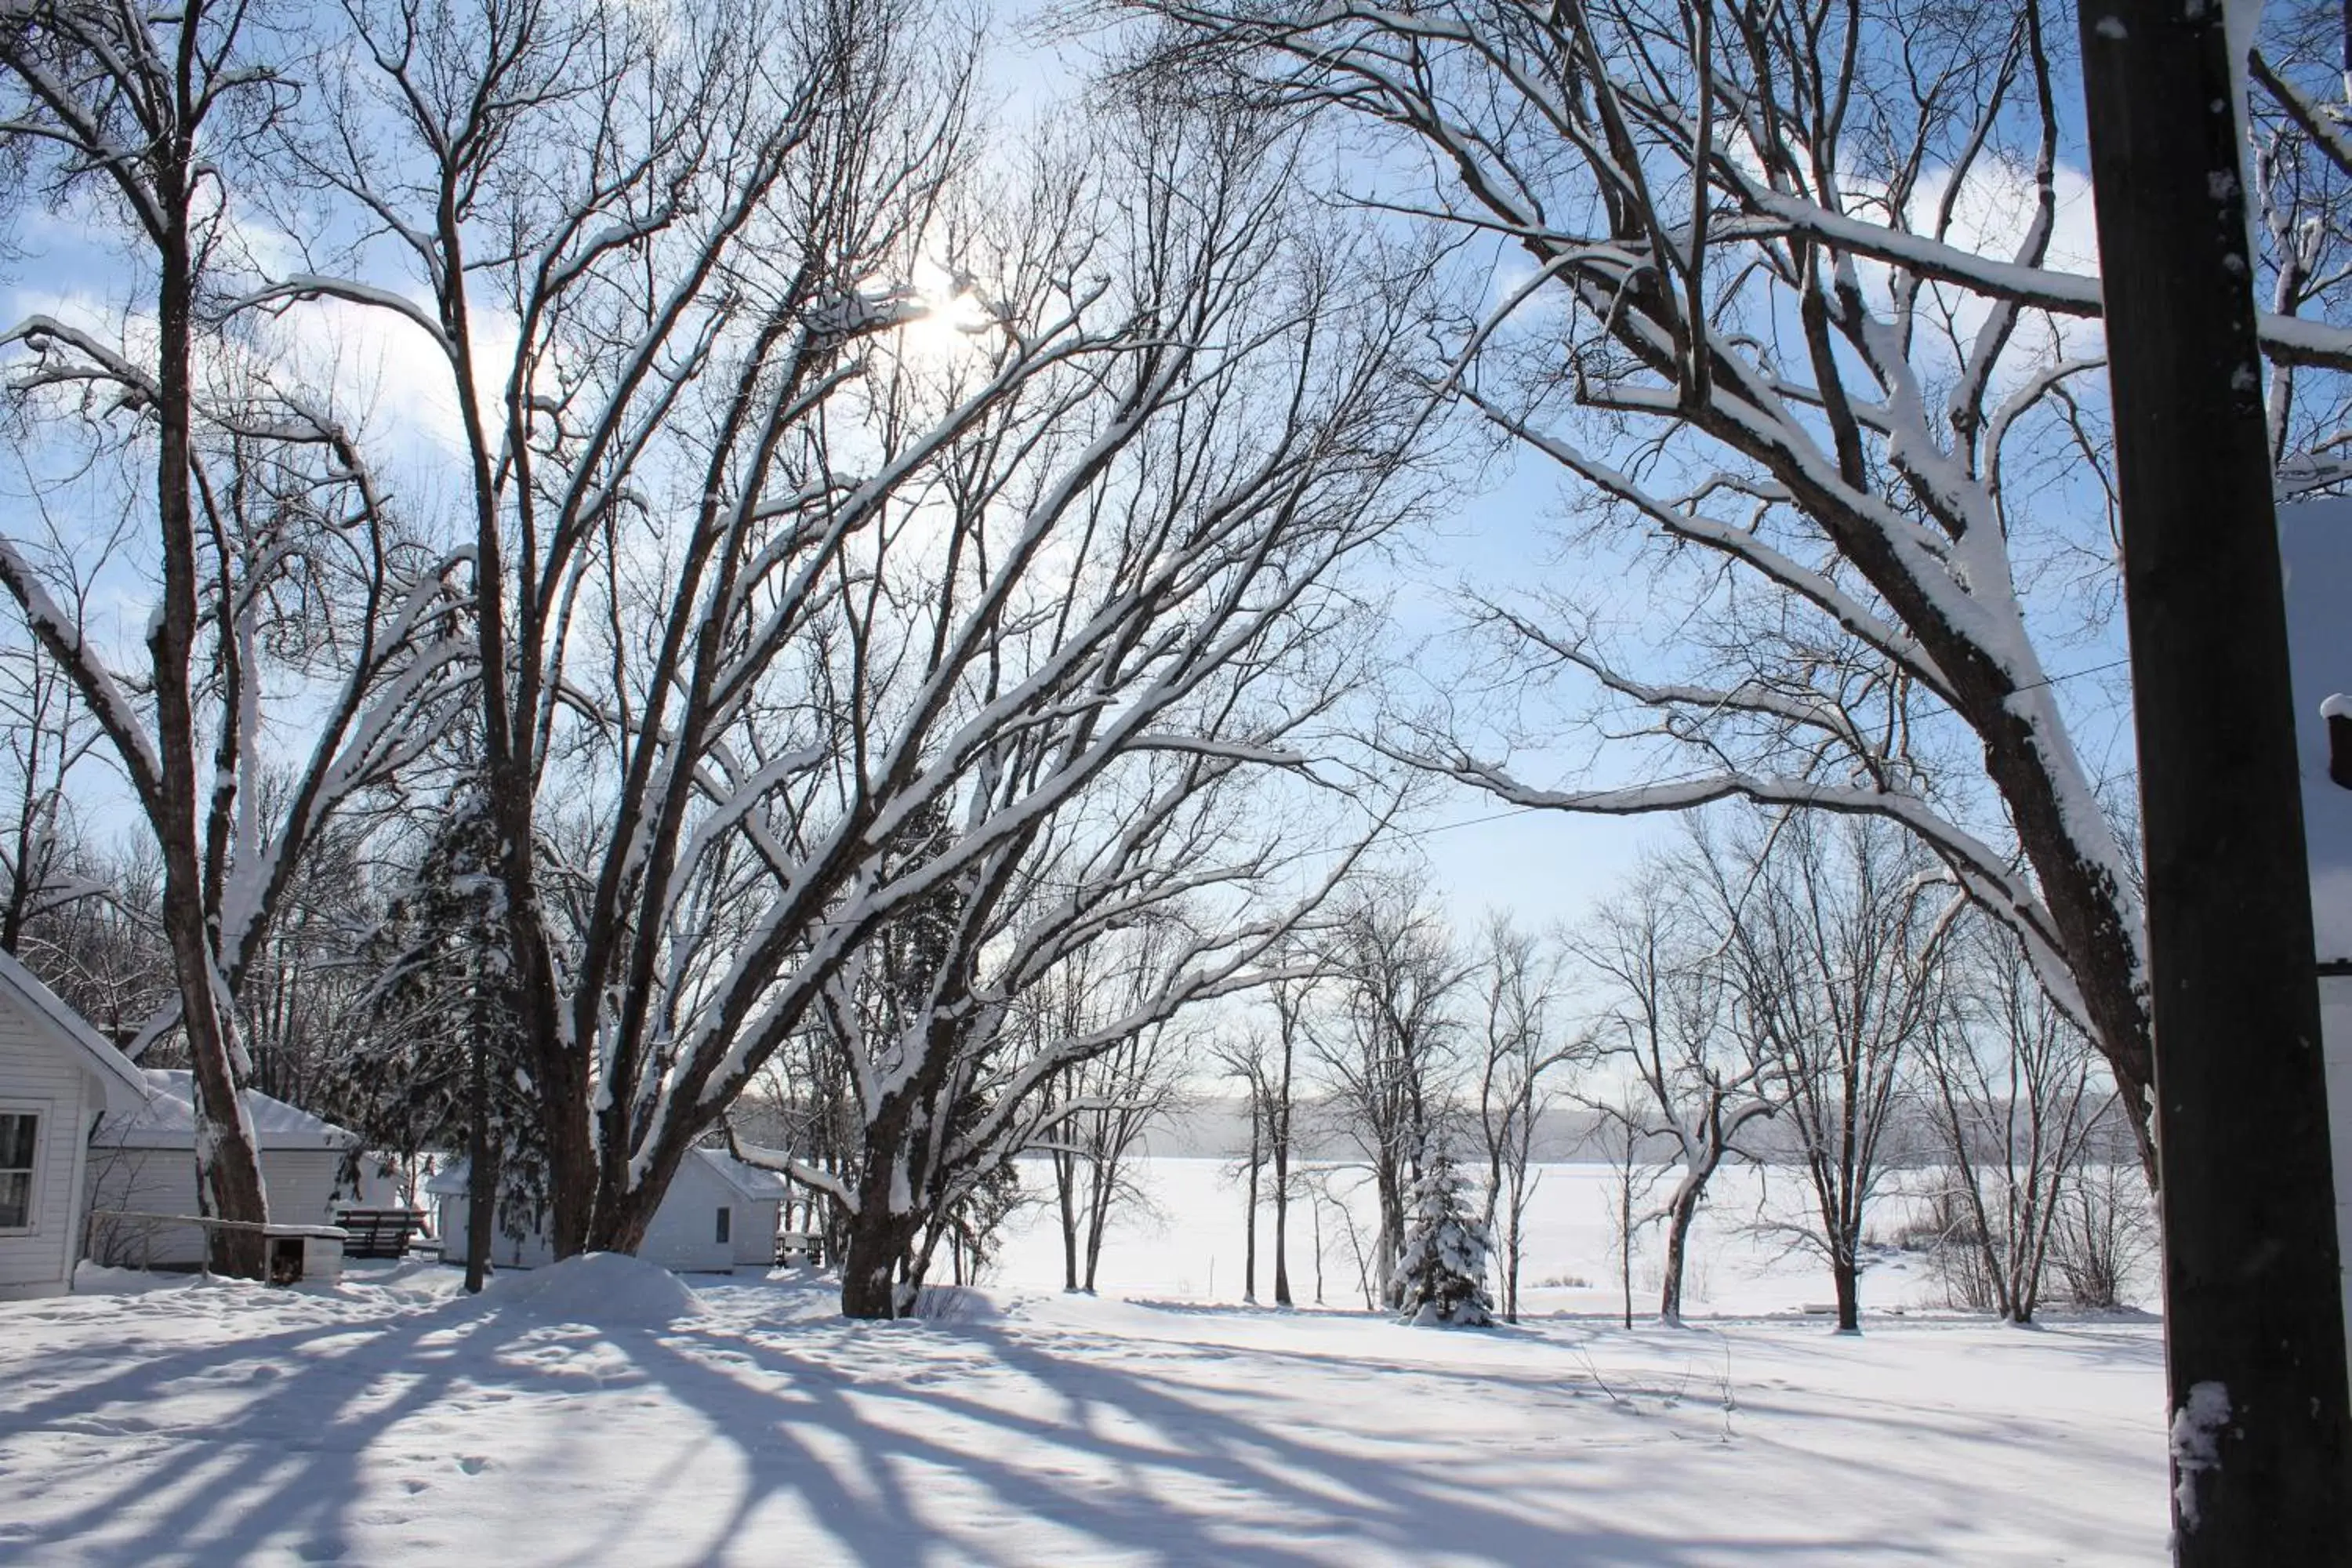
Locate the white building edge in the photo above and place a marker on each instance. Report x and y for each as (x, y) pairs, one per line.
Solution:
(57, 1076)
(719, 1214)
(2316, 539)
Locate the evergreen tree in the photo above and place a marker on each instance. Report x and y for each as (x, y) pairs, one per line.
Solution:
(445, 1064)
(1442, 1272)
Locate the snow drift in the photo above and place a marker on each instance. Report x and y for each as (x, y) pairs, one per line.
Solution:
(605, 1289)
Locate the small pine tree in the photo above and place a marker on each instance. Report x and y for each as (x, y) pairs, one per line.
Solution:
(1441, 1272)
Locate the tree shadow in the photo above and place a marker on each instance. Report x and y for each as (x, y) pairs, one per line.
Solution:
(900, 1443)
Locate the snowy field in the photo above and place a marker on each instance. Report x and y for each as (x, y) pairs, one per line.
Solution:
(604, 1413)
(1184, 1243)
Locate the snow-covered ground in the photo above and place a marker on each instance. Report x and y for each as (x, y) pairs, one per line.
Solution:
(604, 1414)
(388, 1422)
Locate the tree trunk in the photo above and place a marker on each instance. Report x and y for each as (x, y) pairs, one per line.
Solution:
(1282, 1179)
(1847, 1279)
(881, 1240)
(1625, 1236)
(870, 1271)
(227, 1165)
(481, 1174)
(1679, 1215)
(1065, 1181)
(880, 1246)
(1249, 1226)
(1281, 1225)
(481, 1212)
(1101, 1221)
(1513, 1237)
(1391, 1239)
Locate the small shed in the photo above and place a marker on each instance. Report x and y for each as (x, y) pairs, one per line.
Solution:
(2316, 539)
(56, 1074)
(145, 1162)
(719, 1216)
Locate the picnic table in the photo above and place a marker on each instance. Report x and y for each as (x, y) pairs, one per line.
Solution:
(379, 1233)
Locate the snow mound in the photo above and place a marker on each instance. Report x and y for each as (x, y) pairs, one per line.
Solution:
(98, 1279)
(603, 1290)
(955, 1304)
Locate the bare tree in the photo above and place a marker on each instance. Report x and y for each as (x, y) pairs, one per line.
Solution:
(1517, 979)
(1621, 1124)
(1670, 1022)
(1838, 942)
(272, 549)
(1386, 1040)
(2017, 1105)
(786, 558)
(45, 736)
(1101, 1109)
(1808, 326)
(1288, 999)
(1248, 1060)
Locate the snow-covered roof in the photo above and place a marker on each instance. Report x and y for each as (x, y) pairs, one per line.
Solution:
(168, 1121)
(2315, 537)
(754, 1184)
(126, 1090)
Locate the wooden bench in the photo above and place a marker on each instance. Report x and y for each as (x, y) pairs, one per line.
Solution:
(795, 1245)
(378, 1233)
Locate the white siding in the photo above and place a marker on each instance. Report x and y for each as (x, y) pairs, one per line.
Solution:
(684, 1233)
(39, 1075)
(755, 1234)
(300, 1184)
(531, 1251)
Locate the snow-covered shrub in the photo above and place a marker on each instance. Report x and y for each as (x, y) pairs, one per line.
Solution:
(1442, 1272)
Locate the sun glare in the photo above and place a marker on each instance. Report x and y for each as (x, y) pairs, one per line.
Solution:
(952, 318)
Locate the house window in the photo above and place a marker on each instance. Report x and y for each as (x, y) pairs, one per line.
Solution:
(20, 1139)
(726, 1225)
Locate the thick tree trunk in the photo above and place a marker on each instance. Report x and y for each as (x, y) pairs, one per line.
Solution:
(227, 1165)
(880, 1247)
(869, 1270)
(1847, 1279)
(1391, 1239)
(881, 1240)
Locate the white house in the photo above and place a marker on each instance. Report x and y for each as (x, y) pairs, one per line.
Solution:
(56, 1074)
(2316, 539)
(144, 1161)
(719, 1216)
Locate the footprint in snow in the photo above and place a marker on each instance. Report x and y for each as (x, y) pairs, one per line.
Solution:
(473, 1464)
(414, 1485)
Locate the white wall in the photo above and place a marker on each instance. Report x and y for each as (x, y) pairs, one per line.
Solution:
(684, 1235)
(300, 1184)
(506, 1251)
(42, 1077)
(756, 1225)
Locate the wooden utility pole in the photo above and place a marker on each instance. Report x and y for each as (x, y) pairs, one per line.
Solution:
(2253, 1321)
